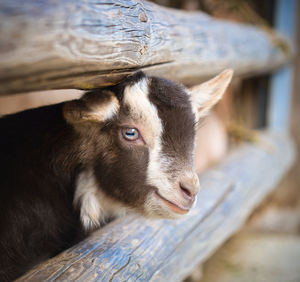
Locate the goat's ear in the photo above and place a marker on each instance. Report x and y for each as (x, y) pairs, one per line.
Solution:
(207, 94)
(92, 107)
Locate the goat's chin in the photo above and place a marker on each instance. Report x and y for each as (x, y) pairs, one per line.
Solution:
(158, 207)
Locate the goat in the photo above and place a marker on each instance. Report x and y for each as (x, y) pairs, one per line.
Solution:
(67, 167)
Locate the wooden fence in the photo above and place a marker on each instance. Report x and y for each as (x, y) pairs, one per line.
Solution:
(86, 44)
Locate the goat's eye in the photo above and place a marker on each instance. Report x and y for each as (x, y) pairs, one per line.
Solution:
(130, 134)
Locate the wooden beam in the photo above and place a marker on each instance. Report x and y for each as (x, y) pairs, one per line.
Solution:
(133, 248)
(53, 44)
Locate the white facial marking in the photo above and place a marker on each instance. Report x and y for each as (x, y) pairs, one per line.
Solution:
(194, 106)
(142, 110)
(94, 205)
(136, 97)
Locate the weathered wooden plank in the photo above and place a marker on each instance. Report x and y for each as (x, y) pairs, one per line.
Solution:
(51, 44)
(136, 249)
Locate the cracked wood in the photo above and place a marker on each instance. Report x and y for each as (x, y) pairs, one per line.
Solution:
(53, 44)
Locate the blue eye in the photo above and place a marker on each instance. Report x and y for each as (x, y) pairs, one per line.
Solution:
(130, 134)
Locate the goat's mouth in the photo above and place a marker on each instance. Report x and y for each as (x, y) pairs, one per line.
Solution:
(174, 207)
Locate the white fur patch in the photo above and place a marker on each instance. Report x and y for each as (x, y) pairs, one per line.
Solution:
(136, 97)
(142, 110)
(145, 114)
(94, 205)
(194, 105)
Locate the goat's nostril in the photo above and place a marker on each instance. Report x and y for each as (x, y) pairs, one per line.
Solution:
(186, 192)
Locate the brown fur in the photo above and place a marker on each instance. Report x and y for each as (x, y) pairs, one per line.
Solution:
(50, 152)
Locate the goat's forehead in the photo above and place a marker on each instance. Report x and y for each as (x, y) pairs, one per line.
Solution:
(148, 101)
(136, 99)
(141, 110)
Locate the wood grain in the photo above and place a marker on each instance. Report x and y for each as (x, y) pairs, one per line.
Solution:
(137, 249)
(53, 44)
